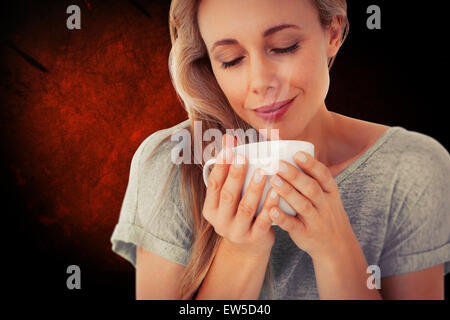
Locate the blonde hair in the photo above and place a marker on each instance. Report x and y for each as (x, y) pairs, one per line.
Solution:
(200, 95)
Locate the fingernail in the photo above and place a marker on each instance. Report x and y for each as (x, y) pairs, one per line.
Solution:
(238, 161)
(276, 180)
(273, 194)
(301, 157)
(226, 155)
(283, 167)
(274, 213)
(258, 176)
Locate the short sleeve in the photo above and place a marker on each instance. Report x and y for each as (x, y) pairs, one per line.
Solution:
(153, 217)
(418, 232)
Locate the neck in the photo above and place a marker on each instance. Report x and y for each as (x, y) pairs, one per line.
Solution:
(323, 131)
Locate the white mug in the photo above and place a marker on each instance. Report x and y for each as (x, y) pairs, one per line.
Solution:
(266, 155)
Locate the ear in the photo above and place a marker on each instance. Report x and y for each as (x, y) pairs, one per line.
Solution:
(334, 33)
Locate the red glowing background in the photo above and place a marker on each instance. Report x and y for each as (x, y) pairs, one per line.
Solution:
(78, 104)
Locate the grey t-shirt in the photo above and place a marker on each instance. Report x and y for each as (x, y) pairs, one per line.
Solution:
(396, 196)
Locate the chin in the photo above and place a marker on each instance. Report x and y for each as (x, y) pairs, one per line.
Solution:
(280, 135)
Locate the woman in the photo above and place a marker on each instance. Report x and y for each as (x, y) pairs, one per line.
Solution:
(373, 195)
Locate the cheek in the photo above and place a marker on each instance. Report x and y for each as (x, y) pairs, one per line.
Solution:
(311, 77)
(234, 90)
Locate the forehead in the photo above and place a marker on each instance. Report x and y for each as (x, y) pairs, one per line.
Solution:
(219, 19)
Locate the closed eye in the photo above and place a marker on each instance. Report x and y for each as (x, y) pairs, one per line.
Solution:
(290, 49)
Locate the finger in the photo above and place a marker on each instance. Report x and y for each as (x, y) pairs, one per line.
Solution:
(291, 224)
(227, 152)
(217, 178)
(262, 221)
(249, 203)
(317, 170)
(228, 142)
(294, 198)
(303, 183)
(230, 193)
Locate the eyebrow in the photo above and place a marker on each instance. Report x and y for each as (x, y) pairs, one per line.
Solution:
(265, 34)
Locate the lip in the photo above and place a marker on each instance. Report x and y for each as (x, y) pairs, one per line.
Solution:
(274, 111)
(273, 106)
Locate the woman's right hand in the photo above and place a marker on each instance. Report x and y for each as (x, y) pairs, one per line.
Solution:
(232, 217)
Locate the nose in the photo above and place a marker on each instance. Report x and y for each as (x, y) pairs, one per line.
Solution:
(263, 76)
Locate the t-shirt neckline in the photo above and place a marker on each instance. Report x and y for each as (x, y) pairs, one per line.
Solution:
(355, 164)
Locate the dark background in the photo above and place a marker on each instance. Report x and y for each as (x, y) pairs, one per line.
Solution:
(76, 104)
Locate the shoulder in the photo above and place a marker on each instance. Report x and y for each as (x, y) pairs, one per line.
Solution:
(412, 166)
(158, 145)
(157, 176)
(402, 164)
(415, 170)
(417, 154)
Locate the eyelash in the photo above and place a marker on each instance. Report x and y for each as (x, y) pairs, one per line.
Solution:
(290, 49)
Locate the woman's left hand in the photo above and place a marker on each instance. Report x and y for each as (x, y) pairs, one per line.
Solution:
(321, 227)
